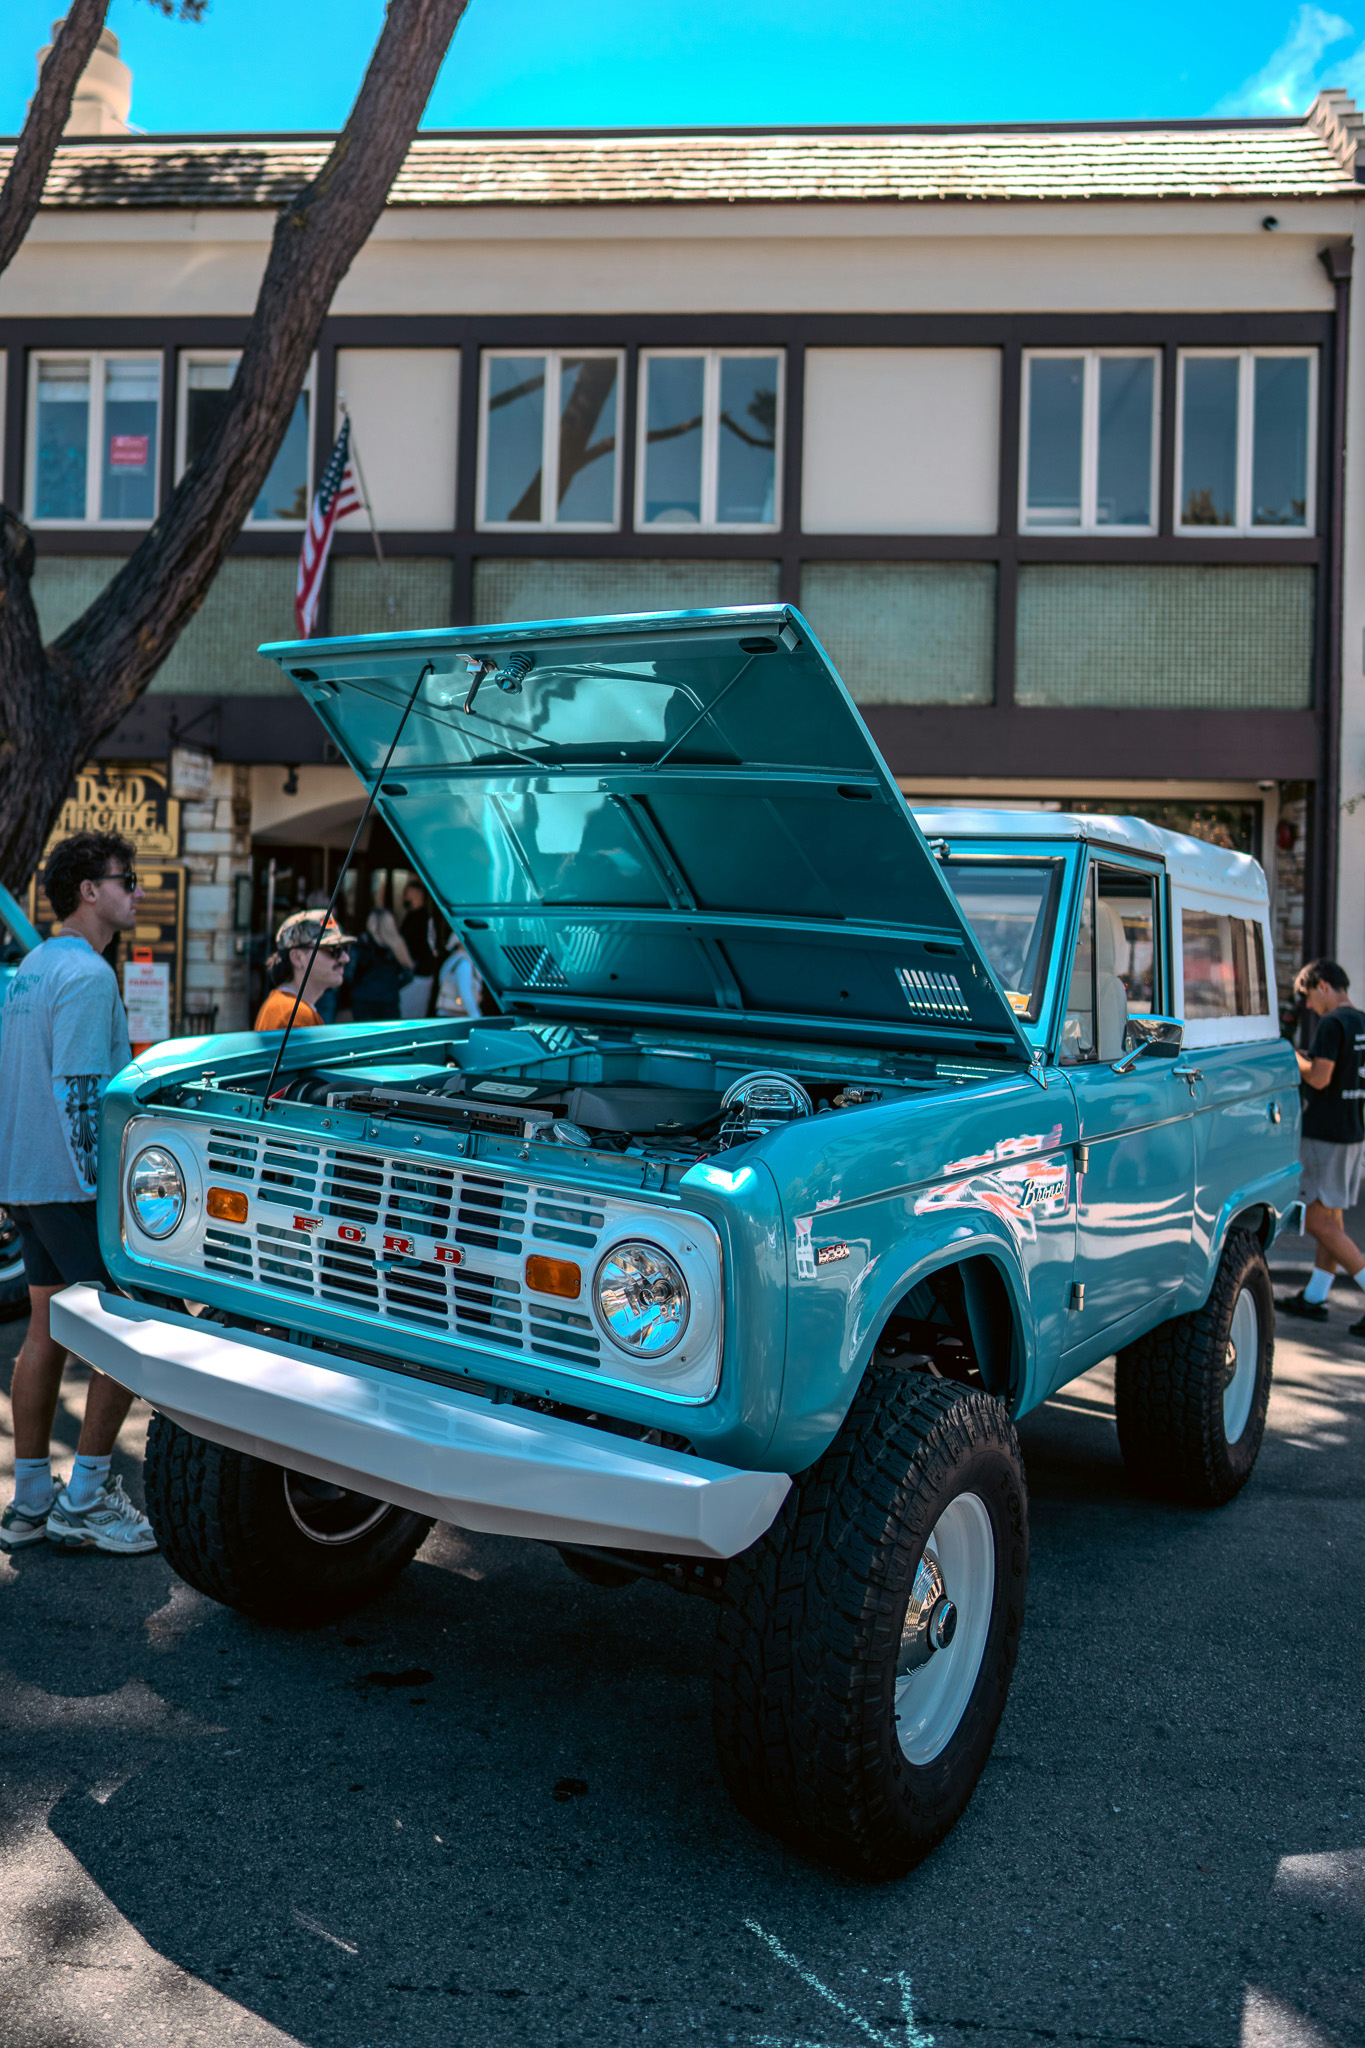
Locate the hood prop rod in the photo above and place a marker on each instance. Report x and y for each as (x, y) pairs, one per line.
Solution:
(342, 872)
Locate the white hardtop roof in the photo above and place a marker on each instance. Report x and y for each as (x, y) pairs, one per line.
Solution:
(1191, 861)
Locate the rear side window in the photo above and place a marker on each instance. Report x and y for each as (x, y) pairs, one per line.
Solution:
(1224, 965)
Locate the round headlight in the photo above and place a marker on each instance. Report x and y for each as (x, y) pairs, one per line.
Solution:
(156, 1192)
(642, 1299)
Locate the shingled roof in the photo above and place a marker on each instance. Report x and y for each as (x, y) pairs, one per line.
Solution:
(1262, 160)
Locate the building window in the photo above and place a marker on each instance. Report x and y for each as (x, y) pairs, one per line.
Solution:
(1090, 441)
(548, 450)
(93, 439)
(205, 380)
(1245, 437)
(710, 423)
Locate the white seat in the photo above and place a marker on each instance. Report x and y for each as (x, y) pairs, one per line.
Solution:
(1111, 997)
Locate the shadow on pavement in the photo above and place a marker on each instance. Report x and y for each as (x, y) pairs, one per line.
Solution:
(531, 1845)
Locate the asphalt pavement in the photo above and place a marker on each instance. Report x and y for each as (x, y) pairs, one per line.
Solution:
(486, 1811)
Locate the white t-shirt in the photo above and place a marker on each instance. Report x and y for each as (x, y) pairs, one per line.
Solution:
(63, 1037)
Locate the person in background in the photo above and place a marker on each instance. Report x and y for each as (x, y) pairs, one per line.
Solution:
(288, 966)
(64, 1038)
(382, 961)
(1333, 1144)
(459, 991)
(328, 1000)
(424, 935)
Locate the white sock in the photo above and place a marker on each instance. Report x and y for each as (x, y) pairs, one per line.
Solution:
(1319, 1285)
(87, 1477)
(33, 1484)
(1358, 1278)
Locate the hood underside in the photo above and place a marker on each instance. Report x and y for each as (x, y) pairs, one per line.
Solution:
(674, 816)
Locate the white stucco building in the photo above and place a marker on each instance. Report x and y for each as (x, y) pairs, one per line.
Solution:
(1046, 430)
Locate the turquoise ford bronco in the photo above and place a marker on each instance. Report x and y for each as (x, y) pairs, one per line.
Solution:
(813, 1143)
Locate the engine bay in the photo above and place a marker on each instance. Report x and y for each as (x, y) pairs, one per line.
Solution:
(598, 1090)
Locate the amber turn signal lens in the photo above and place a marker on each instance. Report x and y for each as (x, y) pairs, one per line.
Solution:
(227, 1204)
(555, 1276)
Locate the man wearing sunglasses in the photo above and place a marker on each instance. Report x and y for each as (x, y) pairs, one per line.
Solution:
(297, 976)
(63, 1036)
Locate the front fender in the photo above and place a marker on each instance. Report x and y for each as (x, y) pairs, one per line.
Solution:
(830, 1343)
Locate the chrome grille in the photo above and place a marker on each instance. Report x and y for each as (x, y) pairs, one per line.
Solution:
(433, 1244)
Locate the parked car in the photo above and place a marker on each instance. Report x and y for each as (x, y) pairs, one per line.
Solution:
(814, 1146)
(17, 938)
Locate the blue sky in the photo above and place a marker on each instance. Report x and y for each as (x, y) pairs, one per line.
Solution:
(270, 64)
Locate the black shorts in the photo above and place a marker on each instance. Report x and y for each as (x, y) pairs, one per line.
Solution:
(60, 1243)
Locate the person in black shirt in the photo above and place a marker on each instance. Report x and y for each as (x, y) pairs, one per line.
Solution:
(425, 935)
(1332, 1148)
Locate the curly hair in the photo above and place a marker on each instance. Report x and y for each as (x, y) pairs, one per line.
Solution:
(83, 857)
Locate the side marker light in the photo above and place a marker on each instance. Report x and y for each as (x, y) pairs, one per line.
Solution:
(554, 1276)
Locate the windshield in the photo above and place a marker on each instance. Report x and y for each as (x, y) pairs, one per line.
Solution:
(1010, 907)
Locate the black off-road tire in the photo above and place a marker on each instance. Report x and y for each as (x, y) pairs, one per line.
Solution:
(804, 1695)
(223, 1521)
(1168, 1390)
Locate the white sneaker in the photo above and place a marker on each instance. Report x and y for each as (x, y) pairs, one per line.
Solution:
(111, 1523)
(19, 1526)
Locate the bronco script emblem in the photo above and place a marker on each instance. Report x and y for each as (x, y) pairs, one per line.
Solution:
(1017, 1193)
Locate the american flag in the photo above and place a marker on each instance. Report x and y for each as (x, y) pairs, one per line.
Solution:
(337, 496)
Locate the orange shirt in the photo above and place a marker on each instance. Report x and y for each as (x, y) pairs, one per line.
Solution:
(274, 1012)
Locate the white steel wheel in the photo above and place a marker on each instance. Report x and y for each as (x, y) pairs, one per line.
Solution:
(1244, 1350)
(946, 1625)
(330, 1514)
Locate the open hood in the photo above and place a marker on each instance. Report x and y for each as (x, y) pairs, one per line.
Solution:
(674, 817)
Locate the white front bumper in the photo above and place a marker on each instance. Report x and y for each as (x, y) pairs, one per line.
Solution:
(433, 1449)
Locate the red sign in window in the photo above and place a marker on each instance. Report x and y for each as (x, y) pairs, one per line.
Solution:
(128, 451)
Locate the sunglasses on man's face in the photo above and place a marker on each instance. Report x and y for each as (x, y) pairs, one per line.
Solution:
(335, 952)
(127, 877)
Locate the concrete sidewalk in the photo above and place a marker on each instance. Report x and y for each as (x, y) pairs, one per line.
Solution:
(1291, 1261)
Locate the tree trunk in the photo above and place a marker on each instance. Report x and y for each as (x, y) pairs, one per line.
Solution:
(72, 48)
(55, 706)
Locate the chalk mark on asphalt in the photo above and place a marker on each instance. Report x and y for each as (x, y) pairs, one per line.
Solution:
(316, 1927)
(911, 2036)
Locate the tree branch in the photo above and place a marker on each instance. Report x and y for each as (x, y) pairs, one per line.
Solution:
(120, 642)
(52, 716)
(49, 111)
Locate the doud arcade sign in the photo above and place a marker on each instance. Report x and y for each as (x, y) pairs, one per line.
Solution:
(134, 802)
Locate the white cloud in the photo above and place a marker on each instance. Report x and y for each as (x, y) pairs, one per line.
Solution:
(1288, 82)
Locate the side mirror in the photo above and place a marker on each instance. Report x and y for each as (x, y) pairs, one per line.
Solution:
(1149, 1037)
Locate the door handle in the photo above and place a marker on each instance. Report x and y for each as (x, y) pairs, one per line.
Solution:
(1190, 1074)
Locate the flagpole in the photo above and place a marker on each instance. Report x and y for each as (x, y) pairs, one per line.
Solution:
(389, 599)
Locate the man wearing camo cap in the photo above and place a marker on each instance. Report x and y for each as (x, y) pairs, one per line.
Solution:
(291, 976)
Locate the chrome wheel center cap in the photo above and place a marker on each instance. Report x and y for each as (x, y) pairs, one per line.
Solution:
(930, 1618)
(942, 1624)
